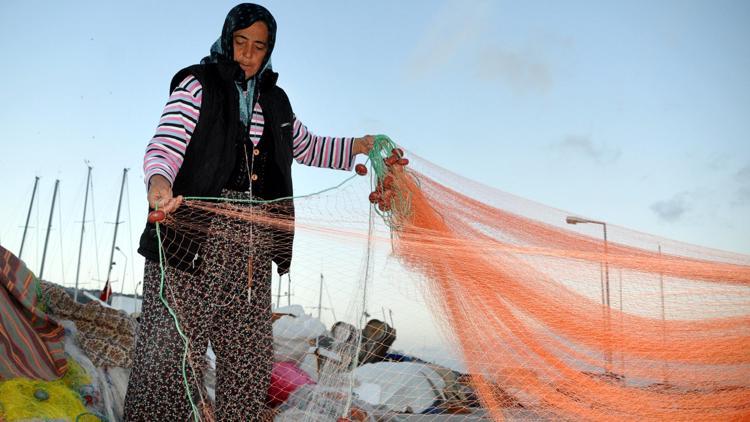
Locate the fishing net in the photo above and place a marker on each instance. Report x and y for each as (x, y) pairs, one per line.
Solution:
(420, 292)
(24, 399)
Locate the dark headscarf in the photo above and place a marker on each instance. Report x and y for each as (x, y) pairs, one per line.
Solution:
(242, 16)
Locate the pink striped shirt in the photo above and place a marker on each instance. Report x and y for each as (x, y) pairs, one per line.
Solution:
(165, 152)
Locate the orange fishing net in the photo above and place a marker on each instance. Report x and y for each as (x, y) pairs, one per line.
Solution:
(506, 279)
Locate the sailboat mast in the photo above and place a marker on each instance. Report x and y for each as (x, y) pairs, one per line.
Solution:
(83, 226)
(117, 223)
(28, 216)
(49, 227)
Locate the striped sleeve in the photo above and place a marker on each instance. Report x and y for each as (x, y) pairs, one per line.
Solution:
(166, 150)
(321, 151)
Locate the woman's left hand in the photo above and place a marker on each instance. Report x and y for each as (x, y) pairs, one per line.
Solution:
(363, 145)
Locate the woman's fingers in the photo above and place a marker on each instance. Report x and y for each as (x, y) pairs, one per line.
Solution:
(171, 204)
(364, 144)
(160, 197)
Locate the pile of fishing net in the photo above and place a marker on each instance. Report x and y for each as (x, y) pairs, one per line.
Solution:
(87, 391)
(25, 399)
(530, 316)
(59, 360)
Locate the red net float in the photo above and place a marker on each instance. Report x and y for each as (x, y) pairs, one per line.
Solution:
(403, 161)
(360, 169)
(374, 197)
(156, 216)
(398, 152)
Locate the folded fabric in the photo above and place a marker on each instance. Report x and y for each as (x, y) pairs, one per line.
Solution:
(31, 343)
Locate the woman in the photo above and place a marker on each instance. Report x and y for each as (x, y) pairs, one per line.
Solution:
(227, 130)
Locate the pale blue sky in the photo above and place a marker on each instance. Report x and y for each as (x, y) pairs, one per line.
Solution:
(636, 113)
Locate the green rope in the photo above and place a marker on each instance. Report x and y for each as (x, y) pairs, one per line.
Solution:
(162, 271)
(381, 148)
(266, 201)
(177, 325)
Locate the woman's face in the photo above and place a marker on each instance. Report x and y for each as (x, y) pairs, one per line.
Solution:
(250, 46)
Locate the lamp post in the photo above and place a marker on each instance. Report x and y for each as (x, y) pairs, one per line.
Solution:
(605, 298)
(124, 268)
(135, 296)
(579, 220)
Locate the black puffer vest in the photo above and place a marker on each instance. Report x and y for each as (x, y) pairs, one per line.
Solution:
(215, 159)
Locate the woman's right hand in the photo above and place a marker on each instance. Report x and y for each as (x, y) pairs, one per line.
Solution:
(160, 194)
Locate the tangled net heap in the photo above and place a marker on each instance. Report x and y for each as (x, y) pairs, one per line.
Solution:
(544, 317)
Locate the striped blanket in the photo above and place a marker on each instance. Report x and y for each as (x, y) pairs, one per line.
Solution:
(31, 343)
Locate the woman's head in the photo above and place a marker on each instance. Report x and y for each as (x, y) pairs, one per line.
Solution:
(250, 47)
(248, 37)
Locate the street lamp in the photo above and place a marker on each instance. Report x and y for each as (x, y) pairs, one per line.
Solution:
(579, 220)
(135, 296)
(124, 268)
(605, 299)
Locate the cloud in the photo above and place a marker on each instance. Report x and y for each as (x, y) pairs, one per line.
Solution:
(671, 210)
(456, 35)
(523, 72)
(742, 195)
(743, 175)
(719, 162)
(583, 146)
(452, 29)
